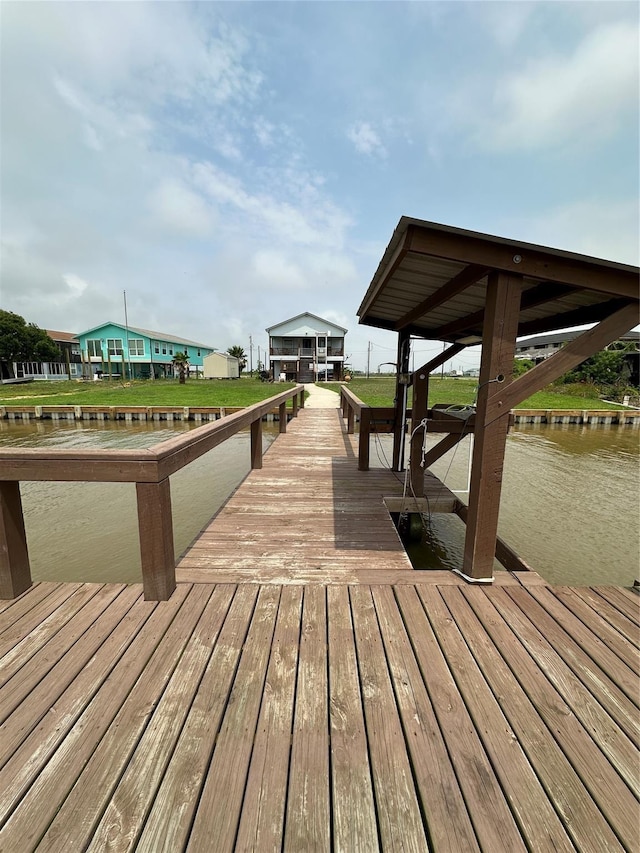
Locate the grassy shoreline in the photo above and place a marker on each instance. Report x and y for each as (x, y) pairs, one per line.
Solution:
(379, 391)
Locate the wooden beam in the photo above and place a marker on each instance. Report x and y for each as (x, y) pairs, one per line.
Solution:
(15, 571)
(577, 317)
(443, 446)
(524, 259)
(155, 526)
(419, 411)
(440, 359)
(532, 298)
(464, 279)
(574, 353)
(499, 338)
(282, 418)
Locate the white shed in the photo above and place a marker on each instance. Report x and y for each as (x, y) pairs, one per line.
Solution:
(219, 365)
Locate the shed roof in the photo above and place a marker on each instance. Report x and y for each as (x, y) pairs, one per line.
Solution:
(432, 280)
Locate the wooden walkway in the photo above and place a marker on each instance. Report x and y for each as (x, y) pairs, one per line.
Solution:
(319, 717)
(307, 510)
(305, 690)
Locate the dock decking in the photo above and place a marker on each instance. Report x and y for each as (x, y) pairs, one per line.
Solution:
(345, 704)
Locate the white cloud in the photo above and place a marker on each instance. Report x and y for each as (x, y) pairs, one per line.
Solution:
(76, 285)
(181, 211)
(366, 139)
(554, 99)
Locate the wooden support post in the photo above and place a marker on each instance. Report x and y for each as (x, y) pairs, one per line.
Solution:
(15, 572)
(282, 416)
(400, 404)
(256, 443)
(302, 399)
(155, 525)
(496, 368)
(343, 403)
(363, 442)
(351, 418)
(295, 406)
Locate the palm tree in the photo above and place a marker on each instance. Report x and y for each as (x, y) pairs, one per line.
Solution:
(181, 362)
(239, 353)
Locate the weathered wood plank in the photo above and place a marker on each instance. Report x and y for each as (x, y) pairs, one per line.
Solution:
(37, 748)
(494, 823)
(48, 672)
(549, 641)
(589, 641)
(354, 815)
(263, 808)
(447, 819)
(11, 607)
(95, 784)
(32, 617)
(538, 731)
(612, 638)
(627, 603)
(522, 788)
(128, 806)
(220, 804)
(43, 633)
(398, 810)
(611, 614)
(48, 791)
(168, 824)
(308, 823)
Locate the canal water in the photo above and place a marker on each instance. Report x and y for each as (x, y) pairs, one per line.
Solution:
(570, 505)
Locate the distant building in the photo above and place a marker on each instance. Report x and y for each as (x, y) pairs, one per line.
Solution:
(306, 348)
(143, 353)
(67, 366)
(540, 347)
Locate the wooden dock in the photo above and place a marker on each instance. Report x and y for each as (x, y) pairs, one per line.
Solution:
(304, 689)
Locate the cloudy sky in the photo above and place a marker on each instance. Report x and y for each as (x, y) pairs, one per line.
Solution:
(233, 164)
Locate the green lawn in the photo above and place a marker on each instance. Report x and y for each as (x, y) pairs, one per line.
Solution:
(220, 392)
(381, 390)
(159, 392)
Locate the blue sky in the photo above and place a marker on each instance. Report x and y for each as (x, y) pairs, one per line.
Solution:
(231, 165)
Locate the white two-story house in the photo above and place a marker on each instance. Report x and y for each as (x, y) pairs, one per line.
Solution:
(306, 348)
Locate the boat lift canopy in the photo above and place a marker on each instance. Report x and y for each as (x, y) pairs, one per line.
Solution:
(462, 287)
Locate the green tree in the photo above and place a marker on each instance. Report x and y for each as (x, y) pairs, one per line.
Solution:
(22, 341)
(181, 362)
(238, 352)
(521, 365)
(607, 367)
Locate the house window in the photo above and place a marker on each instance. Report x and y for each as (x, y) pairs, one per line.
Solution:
(322, 342)
(114, 346)
(136, 346)
(199, 353)
(156, 347)
(94, 348)
(75, 349)
(171, 350)
(164, 349)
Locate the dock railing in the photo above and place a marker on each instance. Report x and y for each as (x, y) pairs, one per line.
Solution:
(150, 469)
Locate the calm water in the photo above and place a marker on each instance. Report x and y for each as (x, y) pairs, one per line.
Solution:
(570, 506)
(570, 503)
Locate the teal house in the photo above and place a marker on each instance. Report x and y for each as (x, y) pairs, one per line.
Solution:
(113, 350)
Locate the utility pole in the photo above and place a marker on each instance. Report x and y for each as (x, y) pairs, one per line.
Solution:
(368, 356)
(250, 356)
(258, 356)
